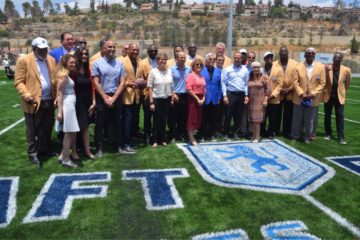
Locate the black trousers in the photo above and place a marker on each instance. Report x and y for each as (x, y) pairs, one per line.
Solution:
(40, 124)
(220, 117)
(106, 115)
(339, 114)
(209, 120)
(286, 112)
(129, 123)
(162, 107)
(178, 117)
(148, 115)
(234, 111)
(272, 114)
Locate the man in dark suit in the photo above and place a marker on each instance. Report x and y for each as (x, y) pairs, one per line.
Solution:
(35, 82)
(212, 77)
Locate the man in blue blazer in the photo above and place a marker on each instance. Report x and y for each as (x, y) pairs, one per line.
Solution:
(213, 95)
(67, 45)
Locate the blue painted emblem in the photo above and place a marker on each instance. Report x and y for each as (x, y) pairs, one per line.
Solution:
(268, 165)
(295, 230)
(350, 163)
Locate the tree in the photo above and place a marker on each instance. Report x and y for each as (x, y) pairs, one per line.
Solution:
(278, 3)
(36, 9)
(354, 45)
(260, 2)
(355, 4)
(57, 7)
(76, 10)
(92, 6)
(67, 9)
(250, 3)
(239, 7)
(156, 5)
(47, 5)
(269, 3)
(3, 17)
(321, 34)
(10, 10)
(27, 9)
(127, 3)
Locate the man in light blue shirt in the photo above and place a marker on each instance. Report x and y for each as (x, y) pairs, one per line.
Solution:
(109, 80)
(178, 112)
(234, 85)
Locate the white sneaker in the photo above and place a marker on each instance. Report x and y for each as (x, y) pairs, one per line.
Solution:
(69, 163)
(327, 137)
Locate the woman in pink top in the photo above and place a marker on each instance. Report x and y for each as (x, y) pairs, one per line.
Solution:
(196, 89)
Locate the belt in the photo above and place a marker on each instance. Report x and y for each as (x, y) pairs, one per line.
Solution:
(236, 92)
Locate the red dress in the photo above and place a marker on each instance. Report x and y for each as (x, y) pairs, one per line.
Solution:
(258, 89)
(197, 84)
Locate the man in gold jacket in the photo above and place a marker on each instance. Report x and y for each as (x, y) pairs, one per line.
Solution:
(275, 80)
(35, 82)
(309, 82)
(288, 66)
(131, 96)
(338, 79)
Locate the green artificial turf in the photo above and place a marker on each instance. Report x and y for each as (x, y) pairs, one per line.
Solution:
(122, 214)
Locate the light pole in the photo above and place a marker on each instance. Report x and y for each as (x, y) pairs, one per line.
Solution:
(229, 39)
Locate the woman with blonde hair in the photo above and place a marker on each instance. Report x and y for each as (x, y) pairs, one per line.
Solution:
(66, 100)
(196, 89)
(258, 99)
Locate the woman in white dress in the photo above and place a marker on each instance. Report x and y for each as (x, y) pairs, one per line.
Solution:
(66, 100)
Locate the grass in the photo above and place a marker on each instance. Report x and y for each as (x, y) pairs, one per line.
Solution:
(208, 208)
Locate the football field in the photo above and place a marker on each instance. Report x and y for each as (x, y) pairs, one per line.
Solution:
(170, 193)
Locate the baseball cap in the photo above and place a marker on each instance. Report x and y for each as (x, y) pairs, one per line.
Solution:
(268, 54)
(40, 42)
(243, 51)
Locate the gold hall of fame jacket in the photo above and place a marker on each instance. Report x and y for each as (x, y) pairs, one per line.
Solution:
(315, 85)
(288, 77)
(131, 95)
(275, 81)
(343, 84)
(146, 71)
(27, 79)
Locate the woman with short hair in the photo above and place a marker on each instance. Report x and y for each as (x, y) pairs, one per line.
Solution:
(160, 84)
(196, 89)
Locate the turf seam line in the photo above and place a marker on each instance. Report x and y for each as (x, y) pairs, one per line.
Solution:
(335, 216)
(345, 119)
(11, 126)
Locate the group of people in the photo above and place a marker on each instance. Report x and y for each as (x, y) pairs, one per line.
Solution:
(187, 94)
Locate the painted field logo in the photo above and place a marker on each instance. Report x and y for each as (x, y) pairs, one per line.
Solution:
(269, 166)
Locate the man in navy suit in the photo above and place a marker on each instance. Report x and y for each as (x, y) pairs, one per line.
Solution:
(67, 45)
(212, 77)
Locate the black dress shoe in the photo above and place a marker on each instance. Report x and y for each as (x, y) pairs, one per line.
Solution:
(48, 153)
(34, 160)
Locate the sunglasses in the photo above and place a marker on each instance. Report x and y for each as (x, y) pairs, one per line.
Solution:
(212, 59)
(163, 60)
(251, 57)
(199, 65)
(82, 42)
(153, 51)
(220, 60)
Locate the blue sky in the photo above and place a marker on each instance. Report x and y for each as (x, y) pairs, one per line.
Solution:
(85, 3)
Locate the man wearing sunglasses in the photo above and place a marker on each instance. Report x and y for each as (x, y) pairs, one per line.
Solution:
(309, 82)
(192, 48)
(80, 42)
(148, 63)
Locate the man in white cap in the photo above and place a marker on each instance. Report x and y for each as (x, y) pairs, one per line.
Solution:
(309, 82)
(35, 82)
(276, 80)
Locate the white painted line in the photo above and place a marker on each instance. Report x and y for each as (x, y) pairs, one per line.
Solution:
(15, 105)
(355, 86)
(345, 119)
(11, 126)
(337, 217)
(353, 100)
(332, 159)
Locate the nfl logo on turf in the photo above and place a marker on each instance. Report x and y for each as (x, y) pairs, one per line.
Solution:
(269, 165)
